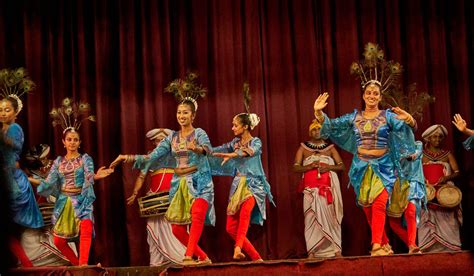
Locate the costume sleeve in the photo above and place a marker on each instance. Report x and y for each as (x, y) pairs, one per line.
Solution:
(401, 140)
(142, 162)
(88, 171)
(203, 140)
(228, 169)
(225, 148)
(255, 148)
(15, 134)
(340, 131)
(50, 185)
(469, 143)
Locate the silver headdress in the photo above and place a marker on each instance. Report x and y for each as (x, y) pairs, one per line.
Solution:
(187, 89)
(374, 69)
(70, 115)
(14, 83)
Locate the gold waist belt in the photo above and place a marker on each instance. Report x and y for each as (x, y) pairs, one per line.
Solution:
(162, 170)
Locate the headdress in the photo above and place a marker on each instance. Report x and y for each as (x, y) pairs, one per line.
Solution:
(70, 115)
(157, 133)
(434, 129)
(253, 118)
(14, 83)
(187, 89)
(374, 69)
(313, 125)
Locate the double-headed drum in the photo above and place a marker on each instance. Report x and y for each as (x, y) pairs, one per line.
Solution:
(449, 196)
(154, 204)
(430, 192)
(46, 210)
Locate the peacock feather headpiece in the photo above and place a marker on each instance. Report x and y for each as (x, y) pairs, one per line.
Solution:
(374, 69)
(187, 89)
(14, 83)
(70, 115)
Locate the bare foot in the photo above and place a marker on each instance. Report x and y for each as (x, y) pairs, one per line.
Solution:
(413, 249)
(238, 255)
(189, 261)
(205, 261)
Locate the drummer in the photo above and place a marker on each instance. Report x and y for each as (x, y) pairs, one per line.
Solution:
(163, 245)
(439, 225)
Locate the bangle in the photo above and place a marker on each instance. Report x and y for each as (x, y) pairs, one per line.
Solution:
(319, 116)
(410, 121)
(129, 158)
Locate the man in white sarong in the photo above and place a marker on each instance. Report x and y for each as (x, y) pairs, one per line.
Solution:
(322, 201)
(439, 226)
(163, 245)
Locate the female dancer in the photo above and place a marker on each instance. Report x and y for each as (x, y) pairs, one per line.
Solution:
(249, 187)
(163, 245)
(24, 208)
(192, 190)
(378, 139)
(71, 181)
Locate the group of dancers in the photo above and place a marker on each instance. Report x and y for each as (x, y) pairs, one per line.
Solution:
(387, 174)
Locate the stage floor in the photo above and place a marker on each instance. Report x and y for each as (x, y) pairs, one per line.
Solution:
(460, 263)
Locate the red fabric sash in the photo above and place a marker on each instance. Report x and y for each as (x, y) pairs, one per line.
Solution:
(323, 183)
(433, 172)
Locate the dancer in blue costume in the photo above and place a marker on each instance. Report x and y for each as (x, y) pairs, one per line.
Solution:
(192, 190)
(250, 187)
(25, 211)
(71, 181)
(378, 139)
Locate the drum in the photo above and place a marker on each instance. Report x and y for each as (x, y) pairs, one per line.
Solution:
(449, 196)
(154, 204)
(430, 192)
(46, 210)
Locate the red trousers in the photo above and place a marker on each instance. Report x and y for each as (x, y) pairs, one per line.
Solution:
(19, 252)
(408, 236)
(198, 217)
(84, 244)
(376, 215)
(238, 225)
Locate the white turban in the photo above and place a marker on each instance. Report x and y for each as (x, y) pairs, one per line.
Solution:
(158, 133)
(434, 129)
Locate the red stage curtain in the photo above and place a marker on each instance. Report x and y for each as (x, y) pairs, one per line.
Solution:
(119, 55)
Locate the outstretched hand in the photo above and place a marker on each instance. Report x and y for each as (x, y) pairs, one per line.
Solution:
(117, 161)
(225, 156)
(102, 172)
(460, 123)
